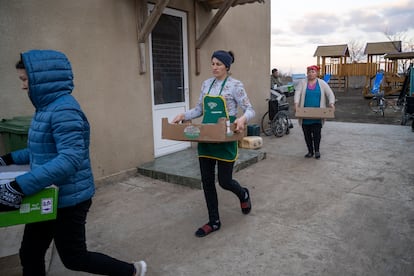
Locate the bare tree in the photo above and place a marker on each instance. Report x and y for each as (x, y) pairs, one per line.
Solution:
(397, 36)
(356, 51)
(406, 44)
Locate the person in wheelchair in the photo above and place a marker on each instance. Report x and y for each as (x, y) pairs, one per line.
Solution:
(275, 79)
(277, 85)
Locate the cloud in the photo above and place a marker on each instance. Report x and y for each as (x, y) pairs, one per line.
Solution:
(366, 21)
(315, 24)
(391, 18)
(298, 31)
(401, 17)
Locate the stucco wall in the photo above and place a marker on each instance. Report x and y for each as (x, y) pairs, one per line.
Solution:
(99, 37)
(249, 40)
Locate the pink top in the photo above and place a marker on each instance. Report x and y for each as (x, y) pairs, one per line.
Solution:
(311, 85)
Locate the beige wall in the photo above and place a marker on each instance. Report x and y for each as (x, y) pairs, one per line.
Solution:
(100, 39)
(250, 42)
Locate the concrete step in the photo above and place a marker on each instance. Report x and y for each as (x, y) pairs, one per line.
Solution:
(182, 167)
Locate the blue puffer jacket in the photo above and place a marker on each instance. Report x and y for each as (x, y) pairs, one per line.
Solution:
(59, 135)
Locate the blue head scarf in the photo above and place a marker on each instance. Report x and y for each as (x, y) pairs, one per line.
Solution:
(224, 57)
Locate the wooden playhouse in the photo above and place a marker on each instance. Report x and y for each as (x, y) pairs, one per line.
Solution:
(334, 60)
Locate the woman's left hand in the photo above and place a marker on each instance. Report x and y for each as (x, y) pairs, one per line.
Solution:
(240, 123)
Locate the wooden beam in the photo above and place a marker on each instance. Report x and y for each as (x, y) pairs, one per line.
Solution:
(141, 16)
(197, 61)
(141, 13)
(142, 59)
(152, 20)
(214, 22)
(145, 25)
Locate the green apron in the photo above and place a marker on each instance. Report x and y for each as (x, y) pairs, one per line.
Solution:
(214, 107)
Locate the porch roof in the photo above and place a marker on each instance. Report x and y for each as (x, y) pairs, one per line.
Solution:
(146, 23)
(215, 4)
(382, 48)
(332, 51)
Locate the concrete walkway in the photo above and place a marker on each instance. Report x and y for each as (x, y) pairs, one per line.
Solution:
(349, 213)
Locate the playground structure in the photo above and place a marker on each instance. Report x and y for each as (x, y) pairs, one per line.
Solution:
(386, 57)
(404, 81)
(332, 60)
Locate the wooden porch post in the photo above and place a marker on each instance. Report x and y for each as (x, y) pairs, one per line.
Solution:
(145, 25)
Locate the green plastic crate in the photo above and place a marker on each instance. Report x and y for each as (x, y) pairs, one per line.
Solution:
(14, 132)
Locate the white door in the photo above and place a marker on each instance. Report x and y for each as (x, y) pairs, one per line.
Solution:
(169, 75)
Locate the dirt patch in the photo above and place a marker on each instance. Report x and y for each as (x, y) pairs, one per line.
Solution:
(351, 106)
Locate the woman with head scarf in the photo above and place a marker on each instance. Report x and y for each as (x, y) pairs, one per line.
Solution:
(220, 97)
(313, 92)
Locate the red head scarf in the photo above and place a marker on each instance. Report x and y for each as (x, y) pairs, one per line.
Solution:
(313, 67)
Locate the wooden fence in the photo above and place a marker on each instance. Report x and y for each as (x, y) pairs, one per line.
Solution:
(341, 72)
(359, 69)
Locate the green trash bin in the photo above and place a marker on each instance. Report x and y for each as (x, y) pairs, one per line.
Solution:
(14, 132)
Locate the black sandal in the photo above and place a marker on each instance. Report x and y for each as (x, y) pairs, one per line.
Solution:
(207, 229)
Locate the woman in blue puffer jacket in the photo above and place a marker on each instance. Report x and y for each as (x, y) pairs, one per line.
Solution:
(58, 154)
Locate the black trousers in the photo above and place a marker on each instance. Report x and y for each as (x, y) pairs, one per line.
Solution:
(225, 179)
(68, 231)
(312, 135)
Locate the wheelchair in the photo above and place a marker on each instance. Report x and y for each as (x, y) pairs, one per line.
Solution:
(276, 120)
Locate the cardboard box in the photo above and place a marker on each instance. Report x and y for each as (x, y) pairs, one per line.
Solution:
(314, 113)
(38, 207)
(200, 132)
(251, 142)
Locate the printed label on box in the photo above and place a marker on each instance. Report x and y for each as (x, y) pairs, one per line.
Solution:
(47, 206)
(24, 208)
(192, 132)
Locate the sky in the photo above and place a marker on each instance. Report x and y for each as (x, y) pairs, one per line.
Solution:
(299, 27)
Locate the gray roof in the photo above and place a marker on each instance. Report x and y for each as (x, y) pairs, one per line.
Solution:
(382, 48)
(332, 51)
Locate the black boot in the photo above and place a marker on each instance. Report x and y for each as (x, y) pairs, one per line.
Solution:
(309, 155)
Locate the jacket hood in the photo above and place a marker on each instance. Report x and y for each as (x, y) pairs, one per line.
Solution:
(50, 76)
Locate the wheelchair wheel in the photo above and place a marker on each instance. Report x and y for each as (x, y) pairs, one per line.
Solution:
(378, 106)
(290, 125)
(374, 105)
(280, 124)
(266, 126)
